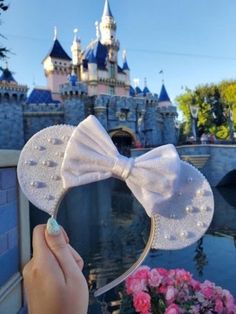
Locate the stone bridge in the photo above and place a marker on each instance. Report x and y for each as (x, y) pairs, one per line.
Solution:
(216, 162)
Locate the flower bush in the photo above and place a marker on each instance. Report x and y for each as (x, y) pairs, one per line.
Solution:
(161, 291)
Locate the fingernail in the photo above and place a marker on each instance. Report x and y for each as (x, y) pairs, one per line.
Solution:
(52, 227)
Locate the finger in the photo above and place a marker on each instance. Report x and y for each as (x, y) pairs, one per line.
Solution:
(65, 235)
(78, 259)
(27, 269)
(40, 248)
(43, 258)
(56, 242)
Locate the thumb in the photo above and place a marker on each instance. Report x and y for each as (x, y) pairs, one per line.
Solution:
(56, 242)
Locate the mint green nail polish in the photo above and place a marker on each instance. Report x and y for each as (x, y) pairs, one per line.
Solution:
(52, 227)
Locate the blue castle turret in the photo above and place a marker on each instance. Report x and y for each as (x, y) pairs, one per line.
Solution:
(168, 112)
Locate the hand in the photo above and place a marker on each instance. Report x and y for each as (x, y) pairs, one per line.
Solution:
(53, 278)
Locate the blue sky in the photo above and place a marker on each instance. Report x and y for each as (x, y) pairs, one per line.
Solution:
(192, 41)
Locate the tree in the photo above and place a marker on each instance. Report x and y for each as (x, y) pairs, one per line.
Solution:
(3, 50)
(216, 103)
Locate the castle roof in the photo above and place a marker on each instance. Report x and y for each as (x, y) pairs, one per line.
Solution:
(96, 52)
(41, 96)
(7, 76)
(91, 58)
(107, 10)
(163, 95)
(138, 90)
(131, 91)
(58, 52)
(146, 91)
(125, 65)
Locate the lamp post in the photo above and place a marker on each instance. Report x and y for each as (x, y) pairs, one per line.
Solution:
(194, 109)
(229, 116)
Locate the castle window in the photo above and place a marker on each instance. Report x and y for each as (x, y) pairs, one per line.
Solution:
(111, 90)
(112, 70)
(14, 97)
(6, 96)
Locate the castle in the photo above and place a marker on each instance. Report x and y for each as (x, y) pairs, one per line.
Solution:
(89, 82)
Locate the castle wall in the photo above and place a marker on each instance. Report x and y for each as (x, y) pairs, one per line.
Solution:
(11, 121)
(74, 111)
(39, 116)
(149, 123)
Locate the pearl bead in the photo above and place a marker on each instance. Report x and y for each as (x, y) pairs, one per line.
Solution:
(189, 209)
(30, 162)
(65, 138)
(55, 178)
(184, 234)
(53, 141)
(200, 224)
(59, 154)
(200, 192)
(39, 147)
(203, 208)
(49, 197)
(35, 184)
(48, 163)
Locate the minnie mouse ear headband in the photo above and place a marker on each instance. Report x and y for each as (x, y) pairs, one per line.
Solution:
(174, 194)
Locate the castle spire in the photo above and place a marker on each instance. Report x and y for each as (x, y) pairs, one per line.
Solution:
(107, 10)
(164, 99)
(125, 63)
(55, 33)
(108, 28)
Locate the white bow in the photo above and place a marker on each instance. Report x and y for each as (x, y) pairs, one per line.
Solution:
(91, 156)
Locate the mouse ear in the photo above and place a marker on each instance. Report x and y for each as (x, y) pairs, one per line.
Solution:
(39, 167)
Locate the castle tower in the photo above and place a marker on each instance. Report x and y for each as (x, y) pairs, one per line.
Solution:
(12, 97)
(76, 53)
(107, 26)
(74, 95)
(108, 33)
(169, 113)
(153, 122)
(56, 67)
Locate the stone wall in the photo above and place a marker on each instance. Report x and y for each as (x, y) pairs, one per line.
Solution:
(39, 116)
(11, 122)
(221, 161)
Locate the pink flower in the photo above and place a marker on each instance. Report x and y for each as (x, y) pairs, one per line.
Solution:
(142, 302)
(171, 293)
(229, 302)
(195, 284)
(162, 289)
(154, 278)
(134, 285)
(163, 272)
(219, 307)
(142, 273)
(207, 288)
(172, 309)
